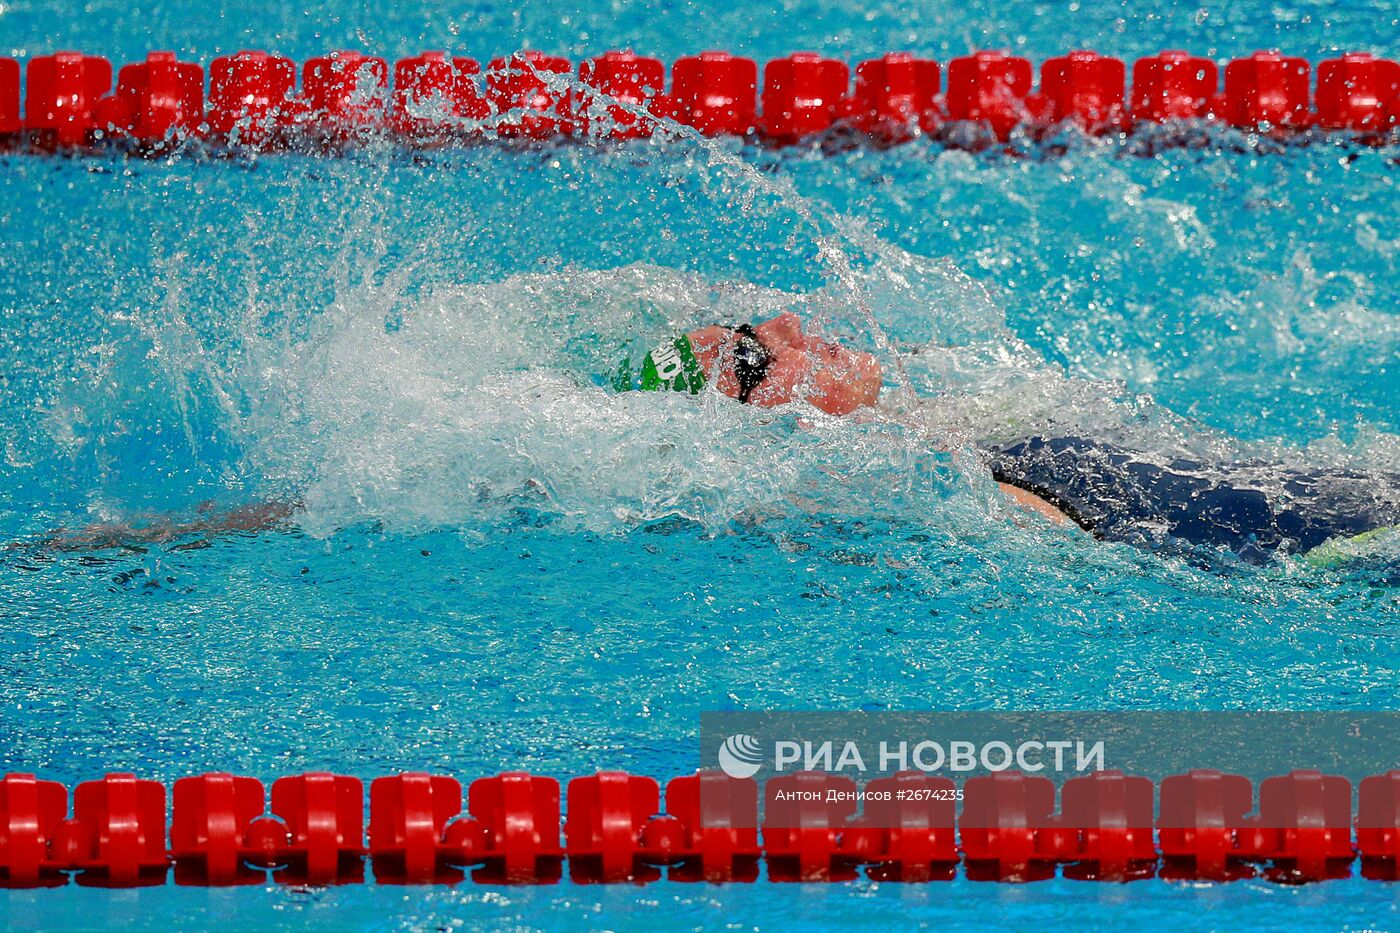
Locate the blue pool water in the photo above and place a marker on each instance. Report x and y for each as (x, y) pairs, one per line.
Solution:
(501, 565)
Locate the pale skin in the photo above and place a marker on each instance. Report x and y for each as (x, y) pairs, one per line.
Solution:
(832, 378)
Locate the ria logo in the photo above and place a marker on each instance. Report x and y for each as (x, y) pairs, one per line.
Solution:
(740, 756)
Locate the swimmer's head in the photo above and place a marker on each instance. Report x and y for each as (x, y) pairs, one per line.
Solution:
(771, 363)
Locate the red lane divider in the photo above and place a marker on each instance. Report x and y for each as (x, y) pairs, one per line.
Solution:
(1378, 826)
(907, 831)
(803, 95)
(1109, 820)
(1266, 89)
(1201, 826)
(518, 88)
(250, 98)
(116, 837)
(61, 95)
(324, 816)
(408, 819)
(9, 97)
(30, 813)
(802, 826)
(347, 96)
(519, 816)
(222, 831)
(715, 92)
(156, 100)
(1085, 88)
(897, 96)
(434, 95)
(343, 94)
(620, 76)
(1358, 92)
(990, 89)
(211, 830)
(710, 830)
(603, 835)
(1173, 86)
(1007, 830)
(1315, 813)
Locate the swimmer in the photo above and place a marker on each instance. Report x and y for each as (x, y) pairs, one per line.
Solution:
(1250, 510)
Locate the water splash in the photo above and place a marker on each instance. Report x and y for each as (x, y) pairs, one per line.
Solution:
(378, 353)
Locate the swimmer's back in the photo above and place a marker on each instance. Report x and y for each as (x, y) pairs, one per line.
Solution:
(1252, 510)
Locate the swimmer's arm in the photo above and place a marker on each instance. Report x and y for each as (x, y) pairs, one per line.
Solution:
(1026, 500)
(257, 516)
(1033, 503)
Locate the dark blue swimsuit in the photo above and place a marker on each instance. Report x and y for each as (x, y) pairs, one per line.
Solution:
(1118, 495)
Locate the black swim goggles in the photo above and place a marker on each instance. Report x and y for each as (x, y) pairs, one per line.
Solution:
(751, 360)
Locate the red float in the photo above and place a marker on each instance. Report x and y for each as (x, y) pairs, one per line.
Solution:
(250, 97)
(906, 832)
(1266, 90)
(1085, 88)
(802, 95)
(210, 818)
(1357, 92)
(608, 812)
(156, 100)
(520, 816)
(1201, 827)
(1110, 816)
(116, 837)
(31, 812)
(1305, 817)
(711, 827)
(9, 97)
(61, 94)
(408, 819)
(324, 816)
(1008, 832)
(1173, 86)
(804, 815)
(989, 88)
(344, 94)
(1378, 826)
(626, 78)
(435, 96)
(896, 95)
(716, 93)
(519, 89)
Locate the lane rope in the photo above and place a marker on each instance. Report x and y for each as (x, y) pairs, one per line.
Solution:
(983, 100)
(813, 826)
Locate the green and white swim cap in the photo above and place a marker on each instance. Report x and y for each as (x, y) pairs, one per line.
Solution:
(670, 366)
